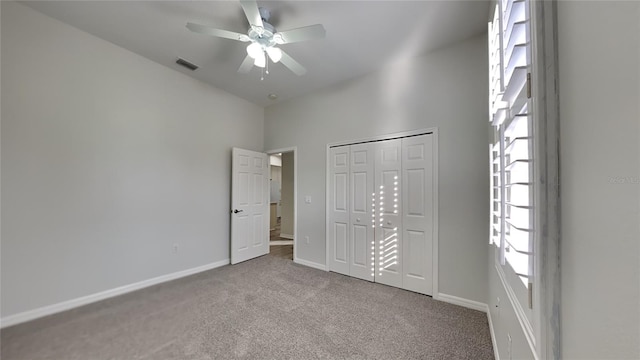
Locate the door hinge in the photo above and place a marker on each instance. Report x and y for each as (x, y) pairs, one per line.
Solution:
(528, 85)
(530, 295)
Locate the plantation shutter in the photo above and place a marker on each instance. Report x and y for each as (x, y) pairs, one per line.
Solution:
(511, 153)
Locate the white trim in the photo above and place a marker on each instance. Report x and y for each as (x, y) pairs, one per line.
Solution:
(434, 132)
(280, 242)
(494, 341)
(470, 304)
(384, 137)
(327, 173)
(546, 291)
(436, 206)
(310, 264)
(517, 309)
(293, 149)
(286, 236)
(84, 300)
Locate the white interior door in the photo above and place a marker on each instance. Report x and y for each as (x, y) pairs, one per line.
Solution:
(417, 214)
(338, 234)
(249, 205)
(361, 251)
(388, 231)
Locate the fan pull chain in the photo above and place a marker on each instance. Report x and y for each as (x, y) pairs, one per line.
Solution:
(266, 66)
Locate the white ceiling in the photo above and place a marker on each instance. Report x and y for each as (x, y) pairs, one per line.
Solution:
(362, 36)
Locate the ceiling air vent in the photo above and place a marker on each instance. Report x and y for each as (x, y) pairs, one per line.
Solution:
(186, 64)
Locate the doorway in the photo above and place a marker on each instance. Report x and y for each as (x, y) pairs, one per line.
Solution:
(282, 203)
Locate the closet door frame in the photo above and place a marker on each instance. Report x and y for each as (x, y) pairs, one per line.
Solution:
(434, 133)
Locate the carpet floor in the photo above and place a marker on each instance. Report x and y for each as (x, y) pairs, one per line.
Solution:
(266, 308)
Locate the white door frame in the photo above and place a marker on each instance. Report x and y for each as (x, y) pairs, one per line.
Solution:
(434, 132)
(293, 149)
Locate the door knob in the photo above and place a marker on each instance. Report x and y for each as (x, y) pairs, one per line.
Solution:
(358, 219)
(388, 222)
(237, 211)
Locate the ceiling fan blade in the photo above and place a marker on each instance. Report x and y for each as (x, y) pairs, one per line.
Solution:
(207, 30)
(250, 8)
(292, 64)
(300, 34)
(246, 65)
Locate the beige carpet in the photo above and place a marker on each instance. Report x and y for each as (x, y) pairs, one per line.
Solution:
(266, 308)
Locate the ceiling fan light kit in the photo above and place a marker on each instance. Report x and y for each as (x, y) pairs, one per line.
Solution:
(260, 61)
(254, 50)
(264, 38)
(275, 54)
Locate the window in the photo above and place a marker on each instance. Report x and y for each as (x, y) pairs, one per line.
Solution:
(511, 155)
(524, 166)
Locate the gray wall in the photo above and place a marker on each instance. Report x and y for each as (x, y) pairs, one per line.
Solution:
(599, 82)
(276, 183)
(108, 159)
(446, 89)
(286, 226)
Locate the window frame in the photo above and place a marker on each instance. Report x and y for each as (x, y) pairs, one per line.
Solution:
(543, 329)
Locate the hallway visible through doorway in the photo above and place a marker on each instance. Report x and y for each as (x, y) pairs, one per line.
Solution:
(281, 205)
(279, 246)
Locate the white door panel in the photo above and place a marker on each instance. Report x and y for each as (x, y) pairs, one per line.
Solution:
(417, 174)
(360, 194)
(341, 237)
(415, 187)
(258, 231)
(341, 181)
(389, 220)
(361, 189)
(249, 186)
(361, 246)
(240, 231)
(338, 236)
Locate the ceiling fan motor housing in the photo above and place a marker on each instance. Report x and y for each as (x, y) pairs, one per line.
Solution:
(265, 14)
(262, 35)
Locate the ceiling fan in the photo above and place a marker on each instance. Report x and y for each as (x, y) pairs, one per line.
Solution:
(263, 38)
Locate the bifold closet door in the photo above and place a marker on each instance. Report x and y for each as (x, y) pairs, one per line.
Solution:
(417, 214)
(361, 252)
(381, 212)
(388, 203)
(339, 215)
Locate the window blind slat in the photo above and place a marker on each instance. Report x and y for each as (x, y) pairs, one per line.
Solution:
(516, 84)
(519, 37)
(514, 248)
(516, 13)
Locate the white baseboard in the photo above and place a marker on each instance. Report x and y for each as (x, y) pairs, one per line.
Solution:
(471, 304)
(84, 300)
(494, 342)
(286, 236)
(310, 264)
(280, 242)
